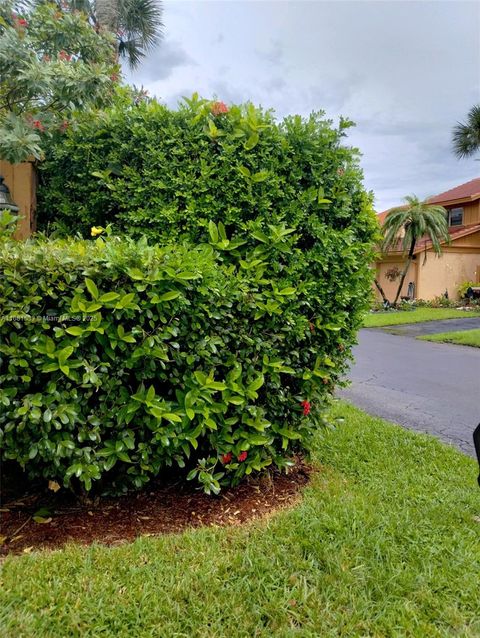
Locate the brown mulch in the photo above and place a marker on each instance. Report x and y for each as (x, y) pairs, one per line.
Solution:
(159, 509)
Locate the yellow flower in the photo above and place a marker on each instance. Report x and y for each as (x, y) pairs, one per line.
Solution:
(96, 230)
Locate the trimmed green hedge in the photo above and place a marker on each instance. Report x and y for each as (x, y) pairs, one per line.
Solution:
(216, 351)
(118, 359)
(164, 174)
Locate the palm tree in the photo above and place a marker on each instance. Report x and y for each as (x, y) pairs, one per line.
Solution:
(466, 137)
(407, 224)
(137, 24)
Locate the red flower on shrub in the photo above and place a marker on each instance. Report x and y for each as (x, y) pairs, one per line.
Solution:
(114, 77)
(63, 55)
(242, 456)
(307, 406)
(38, 125)
(218, 108)
(64, 125)
(21, 23)
(312, 327)
(226, 458)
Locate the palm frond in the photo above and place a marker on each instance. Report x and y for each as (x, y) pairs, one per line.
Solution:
(404, 226)
(466, 136)
(132, 50)
(140, 22)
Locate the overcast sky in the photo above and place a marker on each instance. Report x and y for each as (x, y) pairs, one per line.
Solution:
(404, 71)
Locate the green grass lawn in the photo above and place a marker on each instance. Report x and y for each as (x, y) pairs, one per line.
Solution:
(392, 318)
(386, 543)
(463, 337)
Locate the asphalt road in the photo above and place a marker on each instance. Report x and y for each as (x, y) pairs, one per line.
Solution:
(424, 386)
(434, 327)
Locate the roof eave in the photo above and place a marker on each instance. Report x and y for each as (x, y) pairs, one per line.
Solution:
(459, 200)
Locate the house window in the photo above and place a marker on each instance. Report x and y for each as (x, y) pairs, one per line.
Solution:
(455, 216)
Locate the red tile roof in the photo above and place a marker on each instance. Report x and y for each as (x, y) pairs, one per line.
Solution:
(455, 233)
(381, 216)
(469, 190)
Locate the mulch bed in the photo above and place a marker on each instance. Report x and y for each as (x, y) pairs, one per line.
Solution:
(159, 509)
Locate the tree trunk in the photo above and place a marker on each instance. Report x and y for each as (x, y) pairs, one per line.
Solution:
(405, 270)
(107, 14)
(380, 290)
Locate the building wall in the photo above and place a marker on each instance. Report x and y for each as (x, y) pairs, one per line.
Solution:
(447, 272)
(21, 180)
(469, 241)
(390, 287)
(458, 262)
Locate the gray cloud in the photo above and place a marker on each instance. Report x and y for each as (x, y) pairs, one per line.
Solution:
(275, 84)
(273, 54)
(161, 63)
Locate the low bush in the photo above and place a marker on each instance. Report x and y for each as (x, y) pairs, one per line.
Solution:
(118, 359)
(463, 287)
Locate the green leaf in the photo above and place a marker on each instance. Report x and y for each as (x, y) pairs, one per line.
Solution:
(257, 234)
(42, 519)
(213, 232)
(169, 296)
(256, 439)
(76, 331)
(201, 377)
(287, 291)
(109, 296)
(126, 300)
(236, 400)
(187, 275)
(289, 434)
(256, 383)
(136, 273)
(244, 171)
(216, 385)
(252, 141)
(221, 230)
(50, 367)
(93, 307)
(170, 416)
(261, 176)
(92, 288)
(64, 354)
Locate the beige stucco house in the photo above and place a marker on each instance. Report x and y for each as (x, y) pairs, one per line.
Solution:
(430, 276)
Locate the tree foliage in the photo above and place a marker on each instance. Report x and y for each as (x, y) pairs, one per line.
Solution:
(136, 24)
(406, 225)
(52, 64)
(466, 136)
